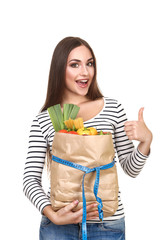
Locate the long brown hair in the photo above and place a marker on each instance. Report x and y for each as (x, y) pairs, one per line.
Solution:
(56, 82)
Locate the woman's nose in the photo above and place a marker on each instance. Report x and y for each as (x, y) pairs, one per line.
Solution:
(84, 70)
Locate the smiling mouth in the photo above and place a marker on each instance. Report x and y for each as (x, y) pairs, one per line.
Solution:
(82, 83)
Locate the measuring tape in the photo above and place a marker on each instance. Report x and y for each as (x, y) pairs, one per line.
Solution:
(96, 185)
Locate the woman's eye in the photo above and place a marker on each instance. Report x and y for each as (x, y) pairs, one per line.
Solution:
(74, 65)
(90, 64)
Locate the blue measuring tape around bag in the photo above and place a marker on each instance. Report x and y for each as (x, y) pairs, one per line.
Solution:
(96, 185)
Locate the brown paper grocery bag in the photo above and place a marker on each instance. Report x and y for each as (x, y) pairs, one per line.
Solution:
(66, 182)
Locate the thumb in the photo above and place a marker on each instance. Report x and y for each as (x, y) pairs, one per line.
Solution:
(140, 115)
(72, 205)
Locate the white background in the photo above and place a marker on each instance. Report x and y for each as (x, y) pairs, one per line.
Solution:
(125, 36)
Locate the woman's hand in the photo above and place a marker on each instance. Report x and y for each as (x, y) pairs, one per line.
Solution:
(137, 130)
(67, 216)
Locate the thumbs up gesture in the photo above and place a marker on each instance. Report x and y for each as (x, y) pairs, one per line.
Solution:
(137, 130)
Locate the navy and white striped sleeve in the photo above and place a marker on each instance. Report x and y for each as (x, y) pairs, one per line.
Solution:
(130, 158)
(34, 164)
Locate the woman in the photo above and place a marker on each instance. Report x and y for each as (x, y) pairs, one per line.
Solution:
(72, 79)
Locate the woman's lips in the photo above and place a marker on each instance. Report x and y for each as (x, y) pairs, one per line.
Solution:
(82, 83)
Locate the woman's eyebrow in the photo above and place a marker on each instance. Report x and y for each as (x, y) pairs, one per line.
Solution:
(90, 59)
(77, 60)
(74, 60)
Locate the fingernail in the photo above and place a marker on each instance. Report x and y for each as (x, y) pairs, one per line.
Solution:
(95, 205)
(76, 202)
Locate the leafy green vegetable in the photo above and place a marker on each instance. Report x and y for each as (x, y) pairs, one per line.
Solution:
(70, 111)
(74, 112)
(58, 118)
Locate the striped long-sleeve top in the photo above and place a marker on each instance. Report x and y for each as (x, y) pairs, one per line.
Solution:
(111, 118)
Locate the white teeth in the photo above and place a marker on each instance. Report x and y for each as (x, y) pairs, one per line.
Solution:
(82, 81)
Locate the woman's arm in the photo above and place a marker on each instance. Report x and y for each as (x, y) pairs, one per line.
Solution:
(34, 164)
(131, 159)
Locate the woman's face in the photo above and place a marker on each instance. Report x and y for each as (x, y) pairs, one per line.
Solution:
(79, 71)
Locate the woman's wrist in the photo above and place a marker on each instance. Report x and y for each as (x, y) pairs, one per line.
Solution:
(144, 147)
(49, 213)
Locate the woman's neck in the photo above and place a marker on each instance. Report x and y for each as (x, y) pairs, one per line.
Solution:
(75, 99)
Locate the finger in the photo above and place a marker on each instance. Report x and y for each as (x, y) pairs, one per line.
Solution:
(129, 128)
(140, 115)
(129, 123)
(93, 218)
(91, 207)
(93, 214)
(70, 206)
(130, 133)
(130, 137)
(90, 215)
